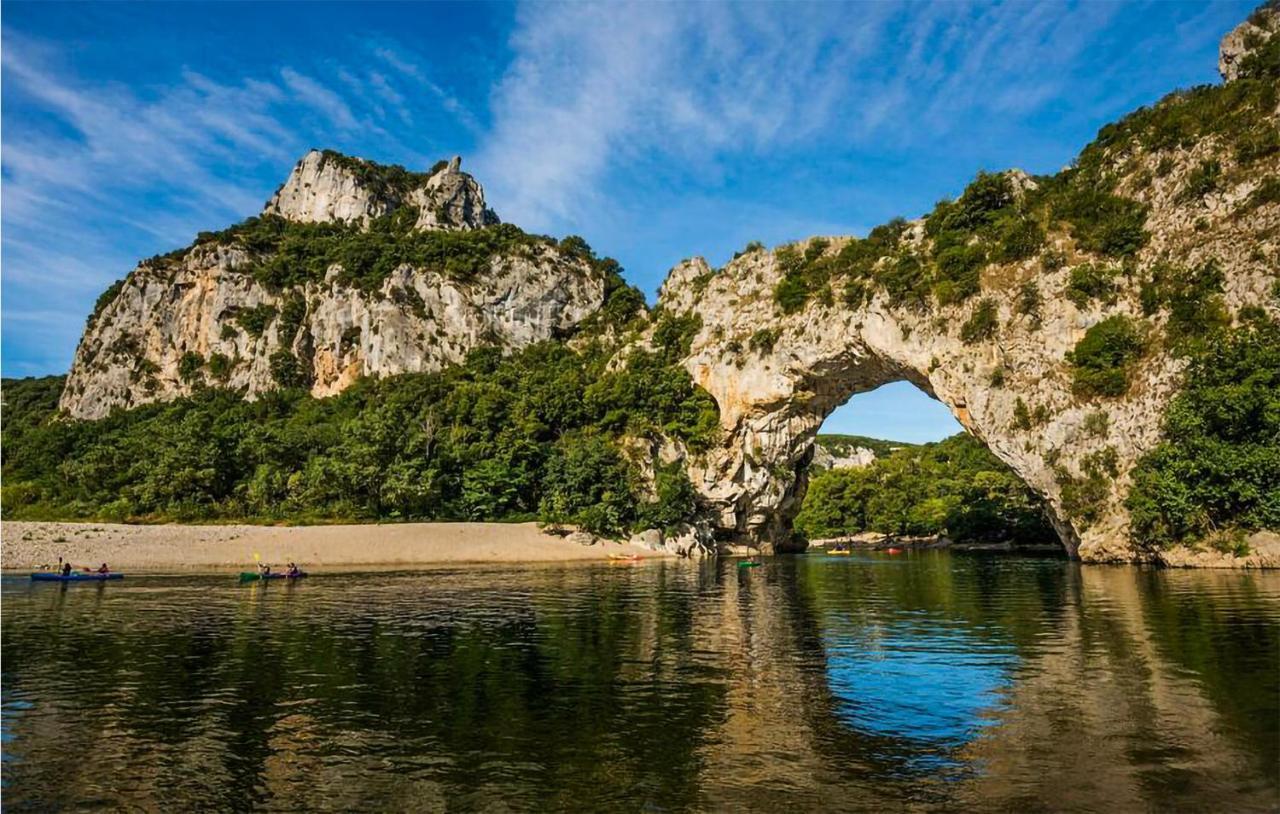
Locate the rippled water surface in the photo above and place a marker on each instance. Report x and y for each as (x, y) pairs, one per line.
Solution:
(921, 683)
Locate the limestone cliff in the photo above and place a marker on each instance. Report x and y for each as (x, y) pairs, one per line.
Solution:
(983, 304)
(221, 312)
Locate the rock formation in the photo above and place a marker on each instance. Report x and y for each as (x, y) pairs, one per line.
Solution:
(201, 316)
(1000, 358)
(1250, 37)
(982, 305)
(845, 458)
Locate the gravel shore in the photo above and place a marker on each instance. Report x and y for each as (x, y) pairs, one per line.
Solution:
(32, 545)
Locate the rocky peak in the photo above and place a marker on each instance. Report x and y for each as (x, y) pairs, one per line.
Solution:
(1248, 38)
(328, 186)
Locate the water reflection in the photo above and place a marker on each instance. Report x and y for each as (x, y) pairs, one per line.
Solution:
(923, 682)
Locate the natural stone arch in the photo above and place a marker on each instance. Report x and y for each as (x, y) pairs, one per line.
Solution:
(776, 376)
(774, 394)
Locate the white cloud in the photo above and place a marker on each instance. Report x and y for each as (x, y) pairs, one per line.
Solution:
(593, 88)
(316, 95)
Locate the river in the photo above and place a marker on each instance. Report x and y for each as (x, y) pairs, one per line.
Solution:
(922, 682)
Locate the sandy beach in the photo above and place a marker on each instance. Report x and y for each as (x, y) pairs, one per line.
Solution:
(31, 545)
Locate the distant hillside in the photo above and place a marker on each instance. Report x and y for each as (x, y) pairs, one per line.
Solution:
(840, 445)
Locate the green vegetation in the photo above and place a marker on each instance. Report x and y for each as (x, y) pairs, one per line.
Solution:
(763, 340)
(288, 254)
(954, 487)
(190, 367)
(842, 445)
(981, 324)
(1218, 467)
(105, 299)
(1193, 298)
(1202, 180)
(389, 182)
(255, 320)
(532, 435)
(1103, 359)
(1084, 496)
(1088, 282)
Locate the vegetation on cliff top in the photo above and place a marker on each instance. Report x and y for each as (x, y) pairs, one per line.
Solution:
(998, 220)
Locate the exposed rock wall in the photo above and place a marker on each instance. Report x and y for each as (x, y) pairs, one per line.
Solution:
(776, 376)
(1247, 38)
(853, 458)
(196, 305)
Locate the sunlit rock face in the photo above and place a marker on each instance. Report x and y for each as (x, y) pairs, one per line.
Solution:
(777, 374)
(201, 301)
(1248, 38)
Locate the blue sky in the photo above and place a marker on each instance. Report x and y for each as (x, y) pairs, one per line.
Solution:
(656, 131)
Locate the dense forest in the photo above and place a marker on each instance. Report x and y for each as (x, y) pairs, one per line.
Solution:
(538, 435)
(531, 435)
(954, 487)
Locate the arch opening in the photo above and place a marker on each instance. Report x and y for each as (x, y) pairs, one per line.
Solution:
(893, 462)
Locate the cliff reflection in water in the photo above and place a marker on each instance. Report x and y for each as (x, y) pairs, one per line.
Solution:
(922, 682)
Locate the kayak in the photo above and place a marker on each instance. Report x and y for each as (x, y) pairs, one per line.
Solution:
(749, 564)
(838, 553)
(74, 577)
(624, 557)
(254, 576)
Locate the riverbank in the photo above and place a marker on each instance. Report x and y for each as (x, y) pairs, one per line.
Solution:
(28, 545)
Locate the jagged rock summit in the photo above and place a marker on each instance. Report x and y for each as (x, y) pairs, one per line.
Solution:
(353, 269)
(1248, 48)
(328, 186)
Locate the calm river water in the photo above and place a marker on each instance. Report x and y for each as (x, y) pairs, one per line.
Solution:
(922, 682)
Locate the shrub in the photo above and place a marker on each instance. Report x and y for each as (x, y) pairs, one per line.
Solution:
(791, 294)
(1021, 415)
(676, 500)
(1020, 238)
(287, 370)
(1193, 298)
(220, 367)
(1202, 180)
(957, 273)
(1102, 222)
(1029, 301)
(190, 367)
(1217, 466)
(1096, 423)
(674, 334)
(763, 340)
(255, 320)
(104, 299)
(1103, 358)
(1268, 192)
(981, 324)
(1089, 282)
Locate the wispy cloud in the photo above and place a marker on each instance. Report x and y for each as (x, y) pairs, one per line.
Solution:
(312, 93)
(99, 174)
(595, 89)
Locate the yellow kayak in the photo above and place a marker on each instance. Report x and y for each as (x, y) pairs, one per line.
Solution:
(839, 553)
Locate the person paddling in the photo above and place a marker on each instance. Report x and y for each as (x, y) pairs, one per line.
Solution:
(66, 569)
(103, 569)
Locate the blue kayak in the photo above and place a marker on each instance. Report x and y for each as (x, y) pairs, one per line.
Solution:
(74, 577)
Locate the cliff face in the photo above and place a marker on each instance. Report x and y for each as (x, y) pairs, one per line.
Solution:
(208, 315)
(986, 317)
